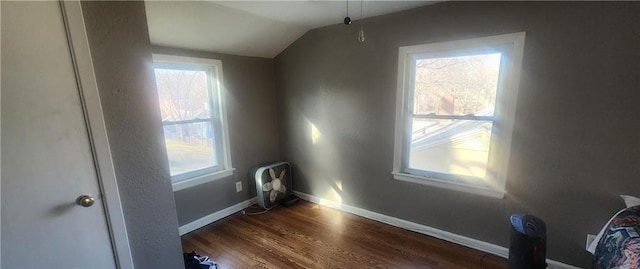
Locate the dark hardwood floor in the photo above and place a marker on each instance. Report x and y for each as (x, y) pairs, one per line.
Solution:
(307, 235)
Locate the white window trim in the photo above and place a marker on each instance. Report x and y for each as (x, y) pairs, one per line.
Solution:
(226, 158)
(505, 111)
(197, 180)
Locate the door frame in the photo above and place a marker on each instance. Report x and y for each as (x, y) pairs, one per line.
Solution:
(0, 138)
(94, 118)
(96, 130)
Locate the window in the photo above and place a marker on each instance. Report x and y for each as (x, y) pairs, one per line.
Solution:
(194, 119)
(454, 115)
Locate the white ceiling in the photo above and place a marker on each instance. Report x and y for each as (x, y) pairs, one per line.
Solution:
(252, 28)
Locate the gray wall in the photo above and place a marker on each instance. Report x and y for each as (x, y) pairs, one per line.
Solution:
(576, 144)
(251, 107)
(121, 54)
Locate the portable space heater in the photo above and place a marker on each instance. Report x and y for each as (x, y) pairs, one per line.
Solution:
(273, 184)
(528, 249)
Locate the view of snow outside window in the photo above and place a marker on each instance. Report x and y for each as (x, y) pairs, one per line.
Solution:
(446, 90)
(185, 102)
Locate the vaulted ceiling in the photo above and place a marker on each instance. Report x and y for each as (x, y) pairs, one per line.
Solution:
(252, 28)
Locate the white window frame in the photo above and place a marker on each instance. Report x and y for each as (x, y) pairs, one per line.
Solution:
(503, 116)
(214, 72)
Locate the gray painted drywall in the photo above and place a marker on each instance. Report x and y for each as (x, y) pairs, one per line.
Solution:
(121, 54)
(576, 144)
(250, 100)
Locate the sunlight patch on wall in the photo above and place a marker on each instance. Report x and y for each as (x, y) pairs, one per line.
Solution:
(333, 194)
(315, 134)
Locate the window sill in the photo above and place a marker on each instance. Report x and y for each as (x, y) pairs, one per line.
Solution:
(195, 181)
(484, 191)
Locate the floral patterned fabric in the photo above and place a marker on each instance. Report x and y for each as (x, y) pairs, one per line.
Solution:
(619, 247)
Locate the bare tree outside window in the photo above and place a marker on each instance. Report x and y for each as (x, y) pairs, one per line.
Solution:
(186, 115)
(446, 91)
(182, 94)
(457, 85)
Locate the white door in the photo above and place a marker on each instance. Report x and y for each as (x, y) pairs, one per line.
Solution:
(47, 161)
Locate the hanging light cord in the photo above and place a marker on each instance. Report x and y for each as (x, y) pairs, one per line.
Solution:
(361, 32)
(361, 18)
(347, 20)
(347, 9)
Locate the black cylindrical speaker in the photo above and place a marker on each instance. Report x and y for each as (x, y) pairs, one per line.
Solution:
(528, 248)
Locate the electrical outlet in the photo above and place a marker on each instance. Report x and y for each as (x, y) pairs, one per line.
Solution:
(590, 238)
(239, 186)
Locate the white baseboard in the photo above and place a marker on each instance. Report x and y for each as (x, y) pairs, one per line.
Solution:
(412, 226)
(558, 265)
(196, 224)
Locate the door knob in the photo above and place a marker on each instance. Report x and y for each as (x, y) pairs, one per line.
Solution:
(85, 200)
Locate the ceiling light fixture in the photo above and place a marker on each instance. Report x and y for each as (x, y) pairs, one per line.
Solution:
(347, 20)
(361, 32)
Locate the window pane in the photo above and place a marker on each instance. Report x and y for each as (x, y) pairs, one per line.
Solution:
(190, 147)
(183, 94)
(457, 85)
(459, 147)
